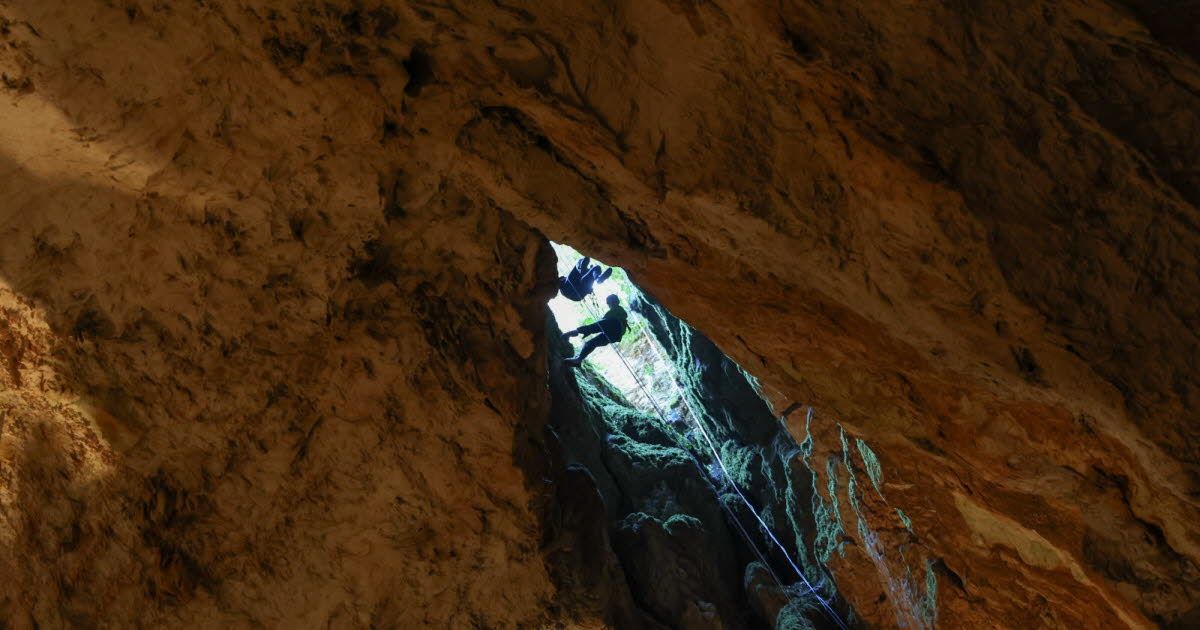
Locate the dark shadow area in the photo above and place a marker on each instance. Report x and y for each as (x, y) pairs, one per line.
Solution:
(236, 409)
(675, 529)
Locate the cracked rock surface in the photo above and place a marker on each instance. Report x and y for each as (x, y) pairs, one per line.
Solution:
(272, 279)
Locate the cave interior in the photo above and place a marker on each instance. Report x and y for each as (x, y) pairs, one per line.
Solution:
(710, 509)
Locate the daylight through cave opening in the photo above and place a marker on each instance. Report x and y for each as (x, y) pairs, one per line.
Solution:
(713, 507)
(636, 365)
(682, 443)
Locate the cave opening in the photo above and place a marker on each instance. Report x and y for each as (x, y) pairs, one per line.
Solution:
(636, 366)
(690, 463)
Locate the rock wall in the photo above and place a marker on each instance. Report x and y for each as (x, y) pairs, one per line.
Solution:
(243, 384)
(273, 275)
(673, 559)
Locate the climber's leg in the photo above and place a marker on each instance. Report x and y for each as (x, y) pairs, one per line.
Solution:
(579, 281)
(569, 290)
(585, 285)
(589, 346)
(586, 329)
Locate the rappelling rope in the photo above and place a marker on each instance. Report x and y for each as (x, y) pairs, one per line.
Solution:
(662, 416)
(717, 456)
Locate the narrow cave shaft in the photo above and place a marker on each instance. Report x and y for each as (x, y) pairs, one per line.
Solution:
(916, 314)
(680, 442)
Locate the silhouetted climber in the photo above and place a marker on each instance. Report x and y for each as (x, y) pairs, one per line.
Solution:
(579, 283)
(608, 330)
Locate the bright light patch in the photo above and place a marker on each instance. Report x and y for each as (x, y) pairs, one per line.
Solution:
(635, 346)
(660, 381)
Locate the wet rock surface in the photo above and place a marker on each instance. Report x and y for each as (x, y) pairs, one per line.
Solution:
(273, 277)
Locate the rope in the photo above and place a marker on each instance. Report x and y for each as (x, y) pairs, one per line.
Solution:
(717, 456)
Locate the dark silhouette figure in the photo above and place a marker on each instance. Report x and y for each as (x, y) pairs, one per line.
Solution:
(581, 281)
(608, 330)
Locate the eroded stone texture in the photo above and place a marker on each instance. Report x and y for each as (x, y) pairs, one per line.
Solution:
(273, 276)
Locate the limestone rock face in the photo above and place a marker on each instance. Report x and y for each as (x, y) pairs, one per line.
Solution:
(272, 279)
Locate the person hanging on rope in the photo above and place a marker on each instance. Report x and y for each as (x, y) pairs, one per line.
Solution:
(579, 283)
(608, 330)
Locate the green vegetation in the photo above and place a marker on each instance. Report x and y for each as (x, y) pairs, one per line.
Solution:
(794, 616)
(678, 521)
(871, 463)
(738, 460)
(653, 370)
(928, 603)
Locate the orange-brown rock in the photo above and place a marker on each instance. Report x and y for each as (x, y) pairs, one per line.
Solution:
(272, 278)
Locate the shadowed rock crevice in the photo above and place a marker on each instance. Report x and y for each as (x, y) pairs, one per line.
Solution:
(691, 552)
